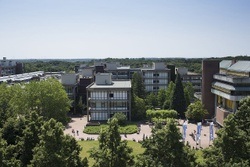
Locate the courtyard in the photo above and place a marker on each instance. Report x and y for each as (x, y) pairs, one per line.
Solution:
(78, 123)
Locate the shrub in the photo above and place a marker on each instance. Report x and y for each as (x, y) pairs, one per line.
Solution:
(122, 118)
(161, 114)
(196, 111)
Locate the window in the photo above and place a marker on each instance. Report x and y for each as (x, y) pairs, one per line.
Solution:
(111, 95)
(156, 81)
(156, 75)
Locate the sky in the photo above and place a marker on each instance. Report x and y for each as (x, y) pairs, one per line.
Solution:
(70, 29)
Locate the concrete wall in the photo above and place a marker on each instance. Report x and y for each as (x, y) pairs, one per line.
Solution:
(69, 79)
(103, 79)
(159, 66)
(209, 68)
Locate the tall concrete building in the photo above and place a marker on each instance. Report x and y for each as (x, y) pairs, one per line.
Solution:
(209, 68)
(230, 85)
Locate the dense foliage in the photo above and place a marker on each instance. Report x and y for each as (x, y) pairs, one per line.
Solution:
(164, 148)
(138, 87)
(31, 130)
(121, 118)
(30, 141)
(47, 98)
(232, 145)
(196, 111)
(178, 101)
(51, 65)
(138, 110)
(129, 128)
(161, 114)
(112, 152)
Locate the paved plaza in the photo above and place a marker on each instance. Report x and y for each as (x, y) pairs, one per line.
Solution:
(78, 123)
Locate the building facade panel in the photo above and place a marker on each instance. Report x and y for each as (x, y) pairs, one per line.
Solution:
(104, 100)
(229, 89)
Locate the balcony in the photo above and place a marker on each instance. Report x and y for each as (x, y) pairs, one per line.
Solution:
(221, 114)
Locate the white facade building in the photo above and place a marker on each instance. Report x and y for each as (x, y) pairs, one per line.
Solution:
(155, 78)
(107, 97)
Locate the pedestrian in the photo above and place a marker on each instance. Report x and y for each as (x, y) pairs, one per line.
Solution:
(77, 133)
(73, 131)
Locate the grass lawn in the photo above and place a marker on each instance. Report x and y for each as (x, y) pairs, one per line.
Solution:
(87, 145)
(130, 128)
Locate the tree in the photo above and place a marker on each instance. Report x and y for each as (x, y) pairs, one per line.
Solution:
(188, 92)
(29, 140)
(178, 101)
(161, 97)
(138, 108)
(196, 111)
(159, 148)
(112, 152)
(47, 98)
(151, 100)
(56, 149)
(6, 94)
(121, 118)
(232, 145)
(138, 87)
(169, 94)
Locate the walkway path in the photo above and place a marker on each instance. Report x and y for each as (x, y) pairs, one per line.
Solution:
(78, 123)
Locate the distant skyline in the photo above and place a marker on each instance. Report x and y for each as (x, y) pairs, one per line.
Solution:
(79, 29)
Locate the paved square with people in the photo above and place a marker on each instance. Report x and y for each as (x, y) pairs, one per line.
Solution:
(77, 124)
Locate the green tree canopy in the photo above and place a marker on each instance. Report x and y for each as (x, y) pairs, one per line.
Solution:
(56, 149)
(178, 101)
(151, 100)
(169, 94)
(112, 152)
(138, 108)
(161, 97)
(121, 118)
(196, 111)
(31, 141)
(138, 87)
(232, 145)
(164, 148)
(47, 98)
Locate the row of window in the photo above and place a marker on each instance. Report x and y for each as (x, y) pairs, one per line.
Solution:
(111, 105)
(152, 74)
(106, 94)
(150, 81)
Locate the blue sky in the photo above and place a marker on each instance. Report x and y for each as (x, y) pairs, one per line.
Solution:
(124, 28)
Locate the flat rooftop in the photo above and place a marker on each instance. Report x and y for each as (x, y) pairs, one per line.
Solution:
(114, 85)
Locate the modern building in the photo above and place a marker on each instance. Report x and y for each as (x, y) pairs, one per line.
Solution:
(10, 67)
(230, 85)
(21, 78)
(156, 77)
(107, 97)
(191, 77)
(209, 68)
(69, 81)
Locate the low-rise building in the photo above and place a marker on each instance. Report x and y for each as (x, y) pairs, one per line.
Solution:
(107, 97)
(69, 81)
(156, 77)
(194, 78)
(10, 67)
(230, 85)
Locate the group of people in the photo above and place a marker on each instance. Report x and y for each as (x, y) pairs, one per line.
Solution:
(77, 132)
